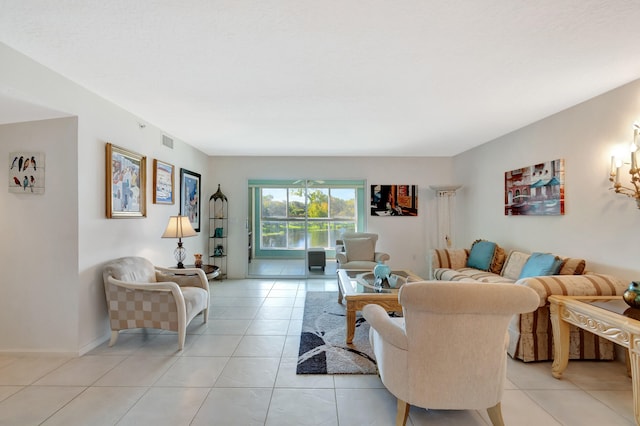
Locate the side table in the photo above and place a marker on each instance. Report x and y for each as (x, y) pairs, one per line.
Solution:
(209, 270)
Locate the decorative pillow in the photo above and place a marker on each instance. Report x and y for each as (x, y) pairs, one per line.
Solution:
(514, 264)
(498, 260)
(360, 249)
(541, 264)
(181, 280)
(481, 255)
(572, 266)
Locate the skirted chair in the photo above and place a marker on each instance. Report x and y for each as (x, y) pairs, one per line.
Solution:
(360, 251)
(449, 351)
(141, 295)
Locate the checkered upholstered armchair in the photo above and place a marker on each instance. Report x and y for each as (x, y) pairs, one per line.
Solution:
(140, 295)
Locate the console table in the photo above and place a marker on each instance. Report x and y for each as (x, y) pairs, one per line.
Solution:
(606, 316)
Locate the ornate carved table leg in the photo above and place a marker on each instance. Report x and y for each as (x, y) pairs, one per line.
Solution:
(634, 360)
(560, 340)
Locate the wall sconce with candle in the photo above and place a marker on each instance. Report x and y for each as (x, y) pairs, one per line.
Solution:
(616, 166)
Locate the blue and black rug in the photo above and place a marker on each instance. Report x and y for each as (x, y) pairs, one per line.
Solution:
(323, 349)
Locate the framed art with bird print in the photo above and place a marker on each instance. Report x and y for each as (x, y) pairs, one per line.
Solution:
(26, 172)
(190, 197)
(163, 186)
(126, 176)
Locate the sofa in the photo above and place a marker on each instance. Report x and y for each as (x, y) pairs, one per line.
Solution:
(531, 336)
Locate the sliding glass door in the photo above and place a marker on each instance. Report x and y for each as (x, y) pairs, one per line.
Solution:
(290, 217)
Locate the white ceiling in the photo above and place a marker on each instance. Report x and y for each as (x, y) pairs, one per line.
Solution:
(329, 77)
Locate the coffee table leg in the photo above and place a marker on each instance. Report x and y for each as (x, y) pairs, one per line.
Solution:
(351, 322)
(560, 341)
(634, 360)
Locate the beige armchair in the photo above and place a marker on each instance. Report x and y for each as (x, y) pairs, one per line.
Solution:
(360, 251)
(450, 349)
(140, 295)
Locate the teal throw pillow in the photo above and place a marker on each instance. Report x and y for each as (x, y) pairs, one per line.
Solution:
(541, 264)
(481, 255)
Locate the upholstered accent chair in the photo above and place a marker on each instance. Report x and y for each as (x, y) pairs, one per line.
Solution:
(449, 351)
(360, 251)
(141, 295)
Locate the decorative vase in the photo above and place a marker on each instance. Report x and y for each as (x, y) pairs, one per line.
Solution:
(381, 271)
(198, 261)
(632, 294)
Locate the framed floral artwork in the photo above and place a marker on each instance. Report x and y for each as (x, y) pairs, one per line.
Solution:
(126, 173)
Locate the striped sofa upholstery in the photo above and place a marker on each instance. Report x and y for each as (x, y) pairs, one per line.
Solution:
(531, 336)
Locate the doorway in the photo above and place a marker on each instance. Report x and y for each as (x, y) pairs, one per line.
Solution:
(292, 221)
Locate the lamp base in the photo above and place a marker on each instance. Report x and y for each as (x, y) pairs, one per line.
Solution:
(180, 253)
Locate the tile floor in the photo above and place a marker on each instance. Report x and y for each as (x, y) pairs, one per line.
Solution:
(290, 268)
(239, 369)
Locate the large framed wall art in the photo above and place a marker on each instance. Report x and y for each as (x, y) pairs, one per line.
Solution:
(536, 190)
(394, 200)
(190, 197)
(126, 173)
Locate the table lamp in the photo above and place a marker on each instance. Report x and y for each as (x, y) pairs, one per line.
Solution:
(179, 227)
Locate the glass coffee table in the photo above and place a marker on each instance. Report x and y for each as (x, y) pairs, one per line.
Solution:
(357, 288)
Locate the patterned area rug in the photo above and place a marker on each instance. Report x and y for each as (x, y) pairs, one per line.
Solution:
(322, 343)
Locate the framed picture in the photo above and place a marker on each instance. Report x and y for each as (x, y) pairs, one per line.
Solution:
(394, 200)
(26, 172)
(190, 197)
(536, 190)
(126, 183)
(163, 182)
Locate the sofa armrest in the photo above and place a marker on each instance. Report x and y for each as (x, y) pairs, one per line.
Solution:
(341, 258)
(157, 286)
(447, 258)
(388, 329)
(574, 285)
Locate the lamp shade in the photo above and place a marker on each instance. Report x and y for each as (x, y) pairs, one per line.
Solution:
(179, 227)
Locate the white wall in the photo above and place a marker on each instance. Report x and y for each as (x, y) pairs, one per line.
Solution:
(598, 225)
(95, 238)
(406, 239)
(39, 254)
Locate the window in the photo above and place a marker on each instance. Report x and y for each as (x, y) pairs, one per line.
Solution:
(293, 217)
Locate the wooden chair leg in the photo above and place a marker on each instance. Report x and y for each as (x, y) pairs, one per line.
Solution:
(403, 413)
(495, 414)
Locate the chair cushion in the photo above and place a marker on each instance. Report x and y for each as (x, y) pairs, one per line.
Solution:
(131, 269)
(481, 255)
(360, 249)
(195, 300)
(541, 264)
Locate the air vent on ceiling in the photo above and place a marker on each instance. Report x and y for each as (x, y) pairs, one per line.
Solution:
(167, 141)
